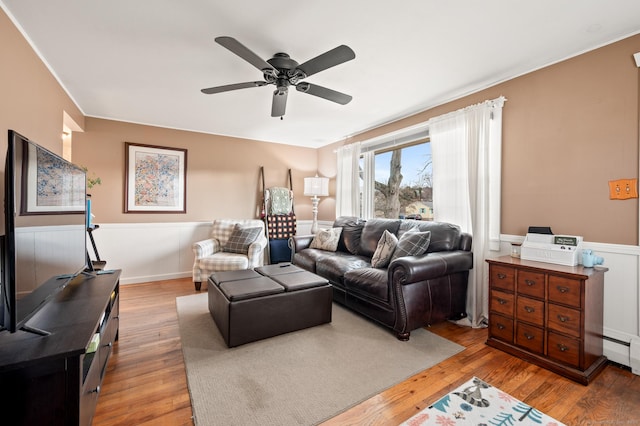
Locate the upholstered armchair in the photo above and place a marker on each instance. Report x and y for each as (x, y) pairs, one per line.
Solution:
(234, 245)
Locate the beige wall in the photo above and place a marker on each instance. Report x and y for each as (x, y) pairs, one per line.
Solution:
(223, 179)
(567, 130)
(32, 101)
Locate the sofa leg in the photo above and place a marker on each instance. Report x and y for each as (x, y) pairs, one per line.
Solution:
(198, 285)
(404, 337)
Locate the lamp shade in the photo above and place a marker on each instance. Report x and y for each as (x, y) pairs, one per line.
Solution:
(316, 186)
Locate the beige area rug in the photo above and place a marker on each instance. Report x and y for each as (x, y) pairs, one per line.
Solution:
(299, 378)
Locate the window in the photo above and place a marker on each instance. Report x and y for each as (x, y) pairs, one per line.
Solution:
(402, 181)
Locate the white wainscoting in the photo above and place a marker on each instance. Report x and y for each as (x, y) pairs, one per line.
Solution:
(158, 251)
(621, 299)
(149, 251)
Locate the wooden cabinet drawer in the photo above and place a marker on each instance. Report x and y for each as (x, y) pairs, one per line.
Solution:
(564, 320)
(565, 290)
(502, 303)
(531, 284)
(530, 337)
(503, 277)
(530, 310)
(564, 349)
(501, 328)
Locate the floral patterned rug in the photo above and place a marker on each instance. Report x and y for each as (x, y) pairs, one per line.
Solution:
(478, 403)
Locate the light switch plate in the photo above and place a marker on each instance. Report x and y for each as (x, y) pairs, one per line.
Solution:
(623, 189)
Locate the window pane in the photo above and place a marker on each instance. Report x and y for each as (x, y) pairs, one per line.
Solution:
(403, 180)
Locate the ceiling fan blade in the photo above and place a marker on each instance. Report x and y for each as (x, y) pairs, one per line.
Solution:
(279, 104)
(328, 59)
(241, 50)
(323, 92)
(228, 87)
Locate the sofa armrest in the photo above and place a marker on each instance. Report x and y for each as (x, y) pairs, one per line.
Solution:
(206, 248)
(300, 242)
(429, 266)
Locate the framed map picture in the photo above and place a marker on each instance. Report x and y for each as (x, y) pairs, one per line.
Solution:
(155, 180)
(50, 184)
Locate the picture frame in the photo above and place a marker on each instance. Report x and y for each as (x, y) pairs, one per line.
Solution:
(50, 184)
(155, 179)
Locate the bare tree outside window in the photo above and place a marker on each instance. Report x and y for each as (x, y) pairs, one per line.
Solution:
(404, 183)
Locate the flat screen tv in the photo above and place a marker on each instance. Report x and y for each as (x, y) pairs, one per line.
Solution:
(44, 243)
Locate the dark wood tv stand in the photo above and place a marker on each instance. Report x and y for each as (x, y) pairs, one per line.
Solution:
(56, 379)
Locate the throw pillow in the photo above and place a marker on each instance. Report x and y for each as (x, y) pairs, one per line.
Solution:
(412, 243)
(326, 239)
(240, 239)
(386, 246)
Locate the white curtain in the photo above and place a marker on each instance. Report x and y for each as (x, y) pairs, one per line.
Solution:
(466, 148)
(368, 185)
(348, 181)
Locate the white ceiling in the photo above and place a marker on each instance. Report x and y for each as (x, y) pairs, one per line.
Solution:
(145, 61)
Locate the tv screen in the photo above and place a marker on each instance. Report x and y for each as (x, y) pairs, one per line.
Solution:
(44, 245)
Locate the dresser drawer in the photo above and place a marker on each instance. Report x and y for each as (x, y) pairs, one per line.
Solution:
(503, 277)
(564, 290)
(530, 310)
(564, 320)
(531, 284)
(564, 349)
(502, 303)
(501, 328)
(530, 337)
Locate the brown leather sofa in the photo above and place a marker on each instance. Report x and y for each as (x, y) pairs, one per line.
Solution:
(413, 291)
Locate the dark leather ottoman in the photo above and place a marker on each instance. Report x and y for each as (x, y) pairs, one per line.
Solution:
(248, 306)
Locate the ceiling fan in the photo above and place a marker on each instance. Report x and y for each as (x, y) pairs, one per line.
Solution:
(282, 72)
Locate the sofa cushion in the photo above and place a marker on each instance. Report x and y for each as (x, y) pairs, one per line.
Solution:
(371, 233)
(368, 282)
(412, 243)
(384, 251)
(308, 258)
(326, 239)
(335, 265)
(241, 238)
(351, 233)
(444, 236)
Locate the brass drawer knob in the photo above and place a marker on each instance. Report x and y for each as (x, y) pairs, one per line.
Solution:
(501, 276)
(529, 309)
(529, 282)
(562, 347)
(562, 289)
(563, 318)
(529, 336)
(501, 326)
(502, 301)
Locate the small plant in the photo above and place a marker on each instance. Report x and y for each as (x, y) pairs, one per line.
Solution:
(93, 179)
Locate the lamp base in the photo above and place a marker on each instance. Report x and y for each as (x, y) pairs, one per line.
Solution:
(314, 210)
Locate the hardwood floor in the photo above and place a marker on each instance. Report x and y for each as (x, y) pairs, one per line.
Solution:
(146, 382)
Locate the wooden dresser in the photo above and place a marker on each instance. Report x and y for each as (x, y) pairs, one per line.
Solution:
(549, 315)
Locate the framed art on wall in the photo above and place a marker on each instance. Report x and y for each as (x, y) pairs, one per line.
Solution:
(155, 179)
(50, 184)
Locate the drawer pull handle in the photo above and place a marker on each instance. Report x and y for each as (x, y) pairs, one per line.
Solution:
(501, 326)
(501, 276)
(529, 282)
(529, 336)
(562, 347)
(563, 318)
(562, 289)
(529, 309)
(502, 301)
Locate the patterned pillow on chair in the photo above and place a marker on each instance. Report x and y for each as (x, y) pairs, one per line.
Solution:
(240, 239)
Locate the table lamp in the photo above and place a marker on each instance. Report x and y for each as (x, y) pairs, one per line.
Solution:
(316, 187)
